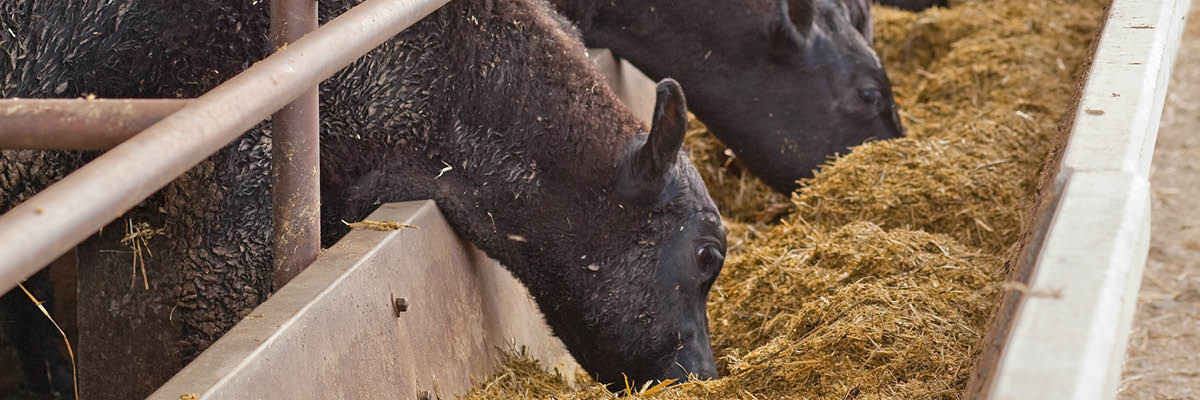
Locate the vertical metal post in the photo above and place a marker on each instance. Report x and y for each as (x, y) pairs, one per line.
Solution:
(295, 157)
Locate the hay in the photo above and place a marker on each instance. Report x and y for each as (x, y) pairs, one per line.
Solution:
(384, 226)
(522, 377)
(887, 314)
(881, 280)
(66, 341)
(137, 237)
(982, 114)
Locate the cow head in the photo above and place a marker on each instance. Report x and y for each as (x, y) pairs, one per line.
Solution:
(633, 305)
(783, 83)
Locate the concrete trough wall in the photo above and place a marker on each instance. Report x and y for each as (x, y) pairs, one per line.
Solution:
(335, 332)
(1069, 333)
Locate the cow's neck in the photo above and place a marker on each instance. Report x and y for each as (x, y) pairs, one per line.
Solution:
(636, 30)
(611, 24)
(518, 120)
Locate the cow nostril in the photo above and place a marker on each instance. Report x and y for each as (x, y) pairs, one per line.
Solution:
(708, 372)
(683, 371)
(693, 363)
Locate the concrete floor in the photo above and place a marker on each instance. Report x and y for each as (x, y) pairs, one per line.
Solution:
(1163, 360)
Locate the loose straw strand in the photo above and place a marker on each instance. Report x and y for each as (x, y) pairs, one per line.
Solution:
(74, 373)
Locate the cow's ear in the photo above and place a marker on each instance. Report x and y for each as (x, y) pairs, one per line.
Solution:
(649, 160)
(791, 22)
(860, 17)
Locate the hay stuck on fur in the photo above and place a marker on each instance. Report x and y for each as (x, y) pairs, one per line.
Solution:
(879, 281)
(137, 237)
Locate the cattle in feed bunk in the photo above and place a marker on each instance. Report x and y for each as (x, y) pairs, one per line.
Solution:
(621, 241)
(783, 83)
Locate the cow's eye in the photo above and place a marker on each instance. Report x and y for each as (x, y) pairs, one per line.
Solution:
(870, 96)
(710, 258)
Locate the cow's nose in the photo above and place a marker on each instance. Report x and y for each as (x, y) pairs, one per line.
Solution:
(695, 359)
(706, 371)
(899, 126)
(698, 367)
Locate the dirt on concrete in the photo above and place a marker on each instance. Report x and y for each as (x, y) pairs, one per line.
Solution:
(1163, 360)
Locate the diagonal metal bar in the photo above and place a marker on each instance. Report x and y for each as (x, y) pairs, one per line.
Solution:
(45, 226)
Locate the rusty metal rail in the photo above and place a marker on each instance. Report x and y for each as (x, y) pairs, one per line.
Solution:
(45, 226)
(78, 124)
(295, 157)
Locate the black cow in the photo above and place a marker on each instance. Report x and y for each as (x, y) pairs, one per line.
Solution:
(619, 240)
(784, 84)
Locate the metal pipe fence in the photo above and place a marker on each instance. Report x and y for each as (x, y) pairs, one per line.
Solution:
(45, 226)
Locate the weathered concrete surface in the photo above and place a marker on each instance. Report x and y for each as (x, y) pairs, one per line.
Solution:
(334, 332)
(1163, 360)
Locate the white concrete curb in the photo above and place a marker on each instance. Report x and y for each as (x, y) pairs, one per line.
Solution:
(1069, 337)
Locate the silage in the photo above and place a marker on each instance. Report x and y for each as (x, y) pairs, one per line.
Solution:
(880, 280)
